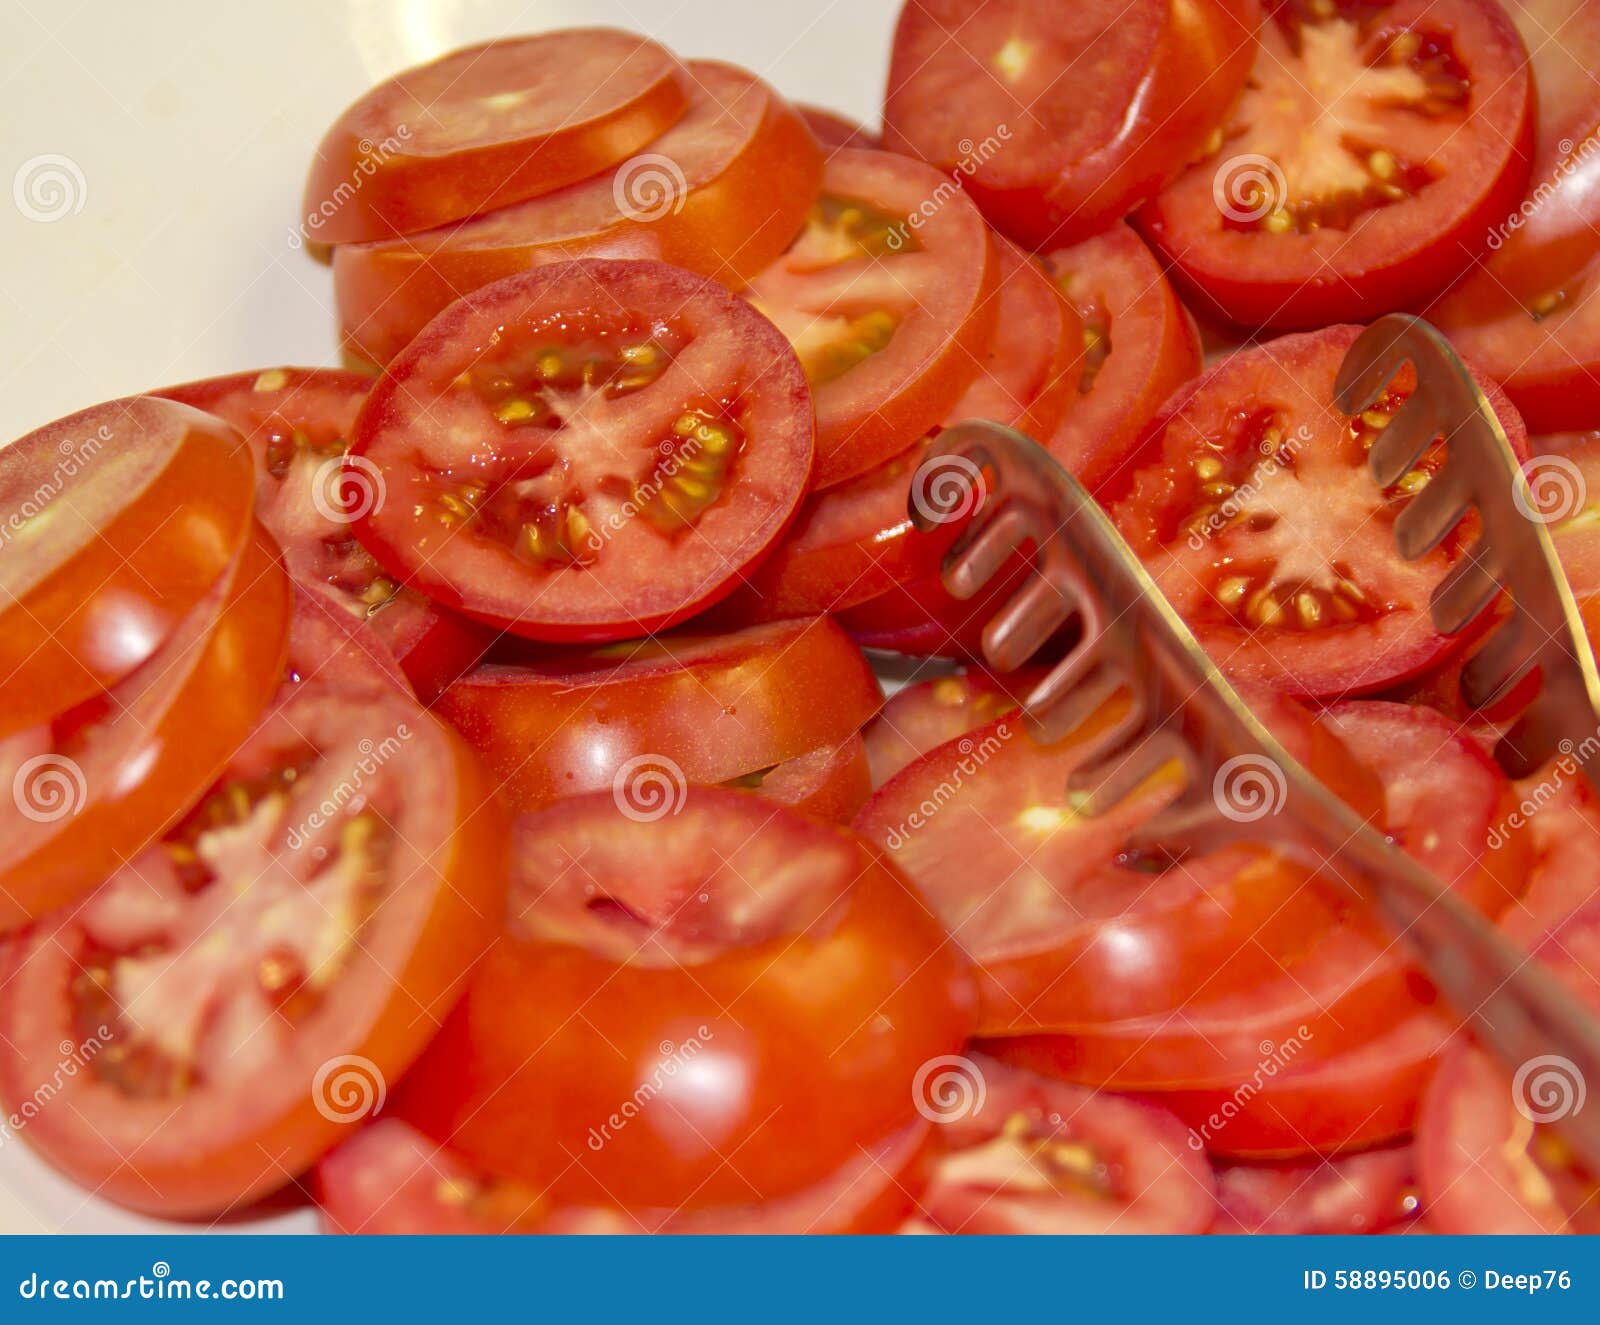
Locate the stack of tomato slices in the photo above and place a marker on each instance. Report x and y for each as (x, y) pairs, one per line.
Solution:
(462, 794)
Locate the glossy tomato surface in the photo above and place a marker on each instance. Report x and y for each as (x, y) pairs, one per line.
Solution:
(921, 717)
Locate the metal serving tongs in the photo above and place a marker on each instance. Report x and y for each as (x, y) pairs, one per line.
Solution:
(1181, 708)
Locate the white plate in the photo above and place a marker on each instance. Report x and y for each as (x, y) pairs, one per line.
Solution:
(156, 153)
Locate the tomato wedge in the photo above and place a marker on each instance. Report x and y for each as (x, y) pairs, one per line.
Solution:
(1029, 1155)
(1363, 167)
(489, 125)
(922, 717)
(298, 422)
(722, 193)
(1060, 119)
(95, 570)
(1251, 504)
(1367, 1193)
(96, 786)
(887, 295)
(1140, 346)
(712, 708)
(589, 451)
(764, 985)
(254, 983)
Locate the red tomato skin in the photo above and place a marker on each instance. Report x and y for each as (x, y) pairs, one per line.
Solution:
(831, 784)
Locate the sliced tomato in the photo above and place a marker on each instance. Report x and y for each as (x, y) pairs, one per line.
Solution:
(722, 193)
(713, 707)
(327, 644)
(1367, 1193)
(1060, 119)
(588, 451)
(1139, 345)
(1564, 482)
(1062, 926)
(1361, 171)
(390, 1179)
(256, 981)
(833, 130)
(887, 297)
(831, 783)
(856, 540)
(922, 717)
(95, 572)
(763, 985)
(298, 422)
(923, 619)
(1027, 1155)
(1251, 504)
(92, 789)
(489, 125)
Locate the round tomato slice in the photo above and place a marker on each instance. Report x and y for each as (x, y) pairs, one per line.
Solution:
(298, 422)
(722, 193)
(763, 985)
(95, 571)
(1062, 926)
(489, 125)
(1023, 1154)
(1139, 345)
(1362, 168)
(856, 541)
(1367, 1193)
(696, 708)
(833, 130)
(255, 983)
(1060, 119)
(588, 451)
(922, 717)
(390, 1179)
(104, 780)
(888, 299)
(1251, 504)
(831, 783)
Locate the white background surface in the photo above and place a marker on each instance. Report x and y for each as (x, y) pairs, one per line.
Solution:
(187, 128)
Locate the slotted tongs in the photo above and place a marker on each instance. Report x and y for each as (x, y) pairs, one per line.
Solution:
(1181, 708)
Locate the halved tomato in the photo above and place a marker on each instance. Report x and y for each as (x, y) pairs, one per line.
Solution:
(298, 422)
(833, 130)
(1024, 1154)
(1376, 144)
(1139, 344)
(709, 978)
(713, 708)
(887, 298)
(1251, 504)
(721, 193)
(922, 717)
(489, 125)
(95, 787)
(1367, 1193)
(120, 520)
(1062, 118)
(588, 451)
(390, 1179)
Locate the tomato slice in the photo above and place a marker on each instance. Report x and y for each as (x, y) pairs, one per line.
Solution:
(1028, 1155)
(922, 717)
(1363, 167)
(1060, 119)
(1368, 1193)
(327, 644)
(856, 540)
(713, 708)
(95, 573)
(298, 422)
(1140, 346)
(588, 451)
(390, 1179)
(831, 783)
(888, 299)
(490, 125)
(96, 786)
(833, 130)
(923, 619)
(722, 193)
(1564, 482)
(766, 985)
(255, 982)
(1062, 926)
(1251, 504)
